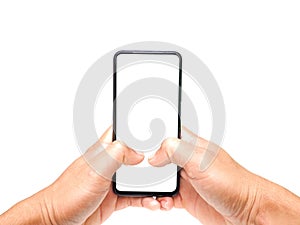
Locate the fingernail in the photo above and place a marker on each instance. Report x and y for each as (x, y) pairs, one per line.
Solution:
(140, 153)
(155, 205)
(165, 204)
(150, 158)
(122, 143)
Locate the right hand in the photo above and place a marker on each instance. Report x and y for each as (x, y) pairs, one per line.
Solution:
(224, 193)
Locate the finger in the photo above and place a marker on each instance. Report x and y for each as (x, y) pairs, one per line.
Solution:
(123, 154)
(173, 150)
(211, 149)
(189, 137)
(107, 135)
(183, 154)
(150, 203)
(166, 203)
(102, 143)
(106, 161)
(146, 202)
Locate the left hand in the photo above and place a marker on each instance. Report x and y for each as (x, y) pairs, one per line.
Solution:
(83, 196)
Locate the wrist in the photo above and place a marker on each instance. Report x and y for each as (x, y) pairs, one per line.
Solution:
(46, 207)
(277, 206)
(30, 211)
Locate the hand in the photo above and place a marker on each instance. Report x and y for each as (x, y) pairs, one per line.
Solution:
(81, 195)
(224, 193)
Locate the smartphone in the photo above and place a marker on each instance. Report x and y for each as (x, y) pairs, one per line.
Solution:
(146, 110)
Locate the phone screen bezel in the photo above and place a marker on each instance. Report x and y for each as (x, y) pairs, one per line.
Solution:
(146, 52)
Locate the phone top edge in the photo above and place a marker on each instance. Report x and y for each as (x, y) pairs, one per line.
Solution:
(148, 52)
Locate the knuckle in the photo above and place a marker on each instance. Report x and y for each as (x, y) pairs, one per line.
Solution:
(192, 167)
(192, 170)
(170, 145)
(118, 145)
(116, 150)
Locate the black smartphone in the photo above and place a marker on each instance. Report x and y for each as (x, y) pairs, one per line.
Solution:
(146, 110)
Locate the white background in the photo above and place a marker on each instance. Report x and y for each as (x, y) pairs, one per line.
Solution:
(251, 47)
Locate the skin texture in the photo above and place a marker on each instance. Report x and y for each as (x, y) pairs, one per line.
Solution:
(223, 193)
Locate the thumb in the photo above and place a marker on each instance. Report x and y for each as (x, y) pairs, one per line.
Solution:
(107, 158)
(192, 153)
(173, 150)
